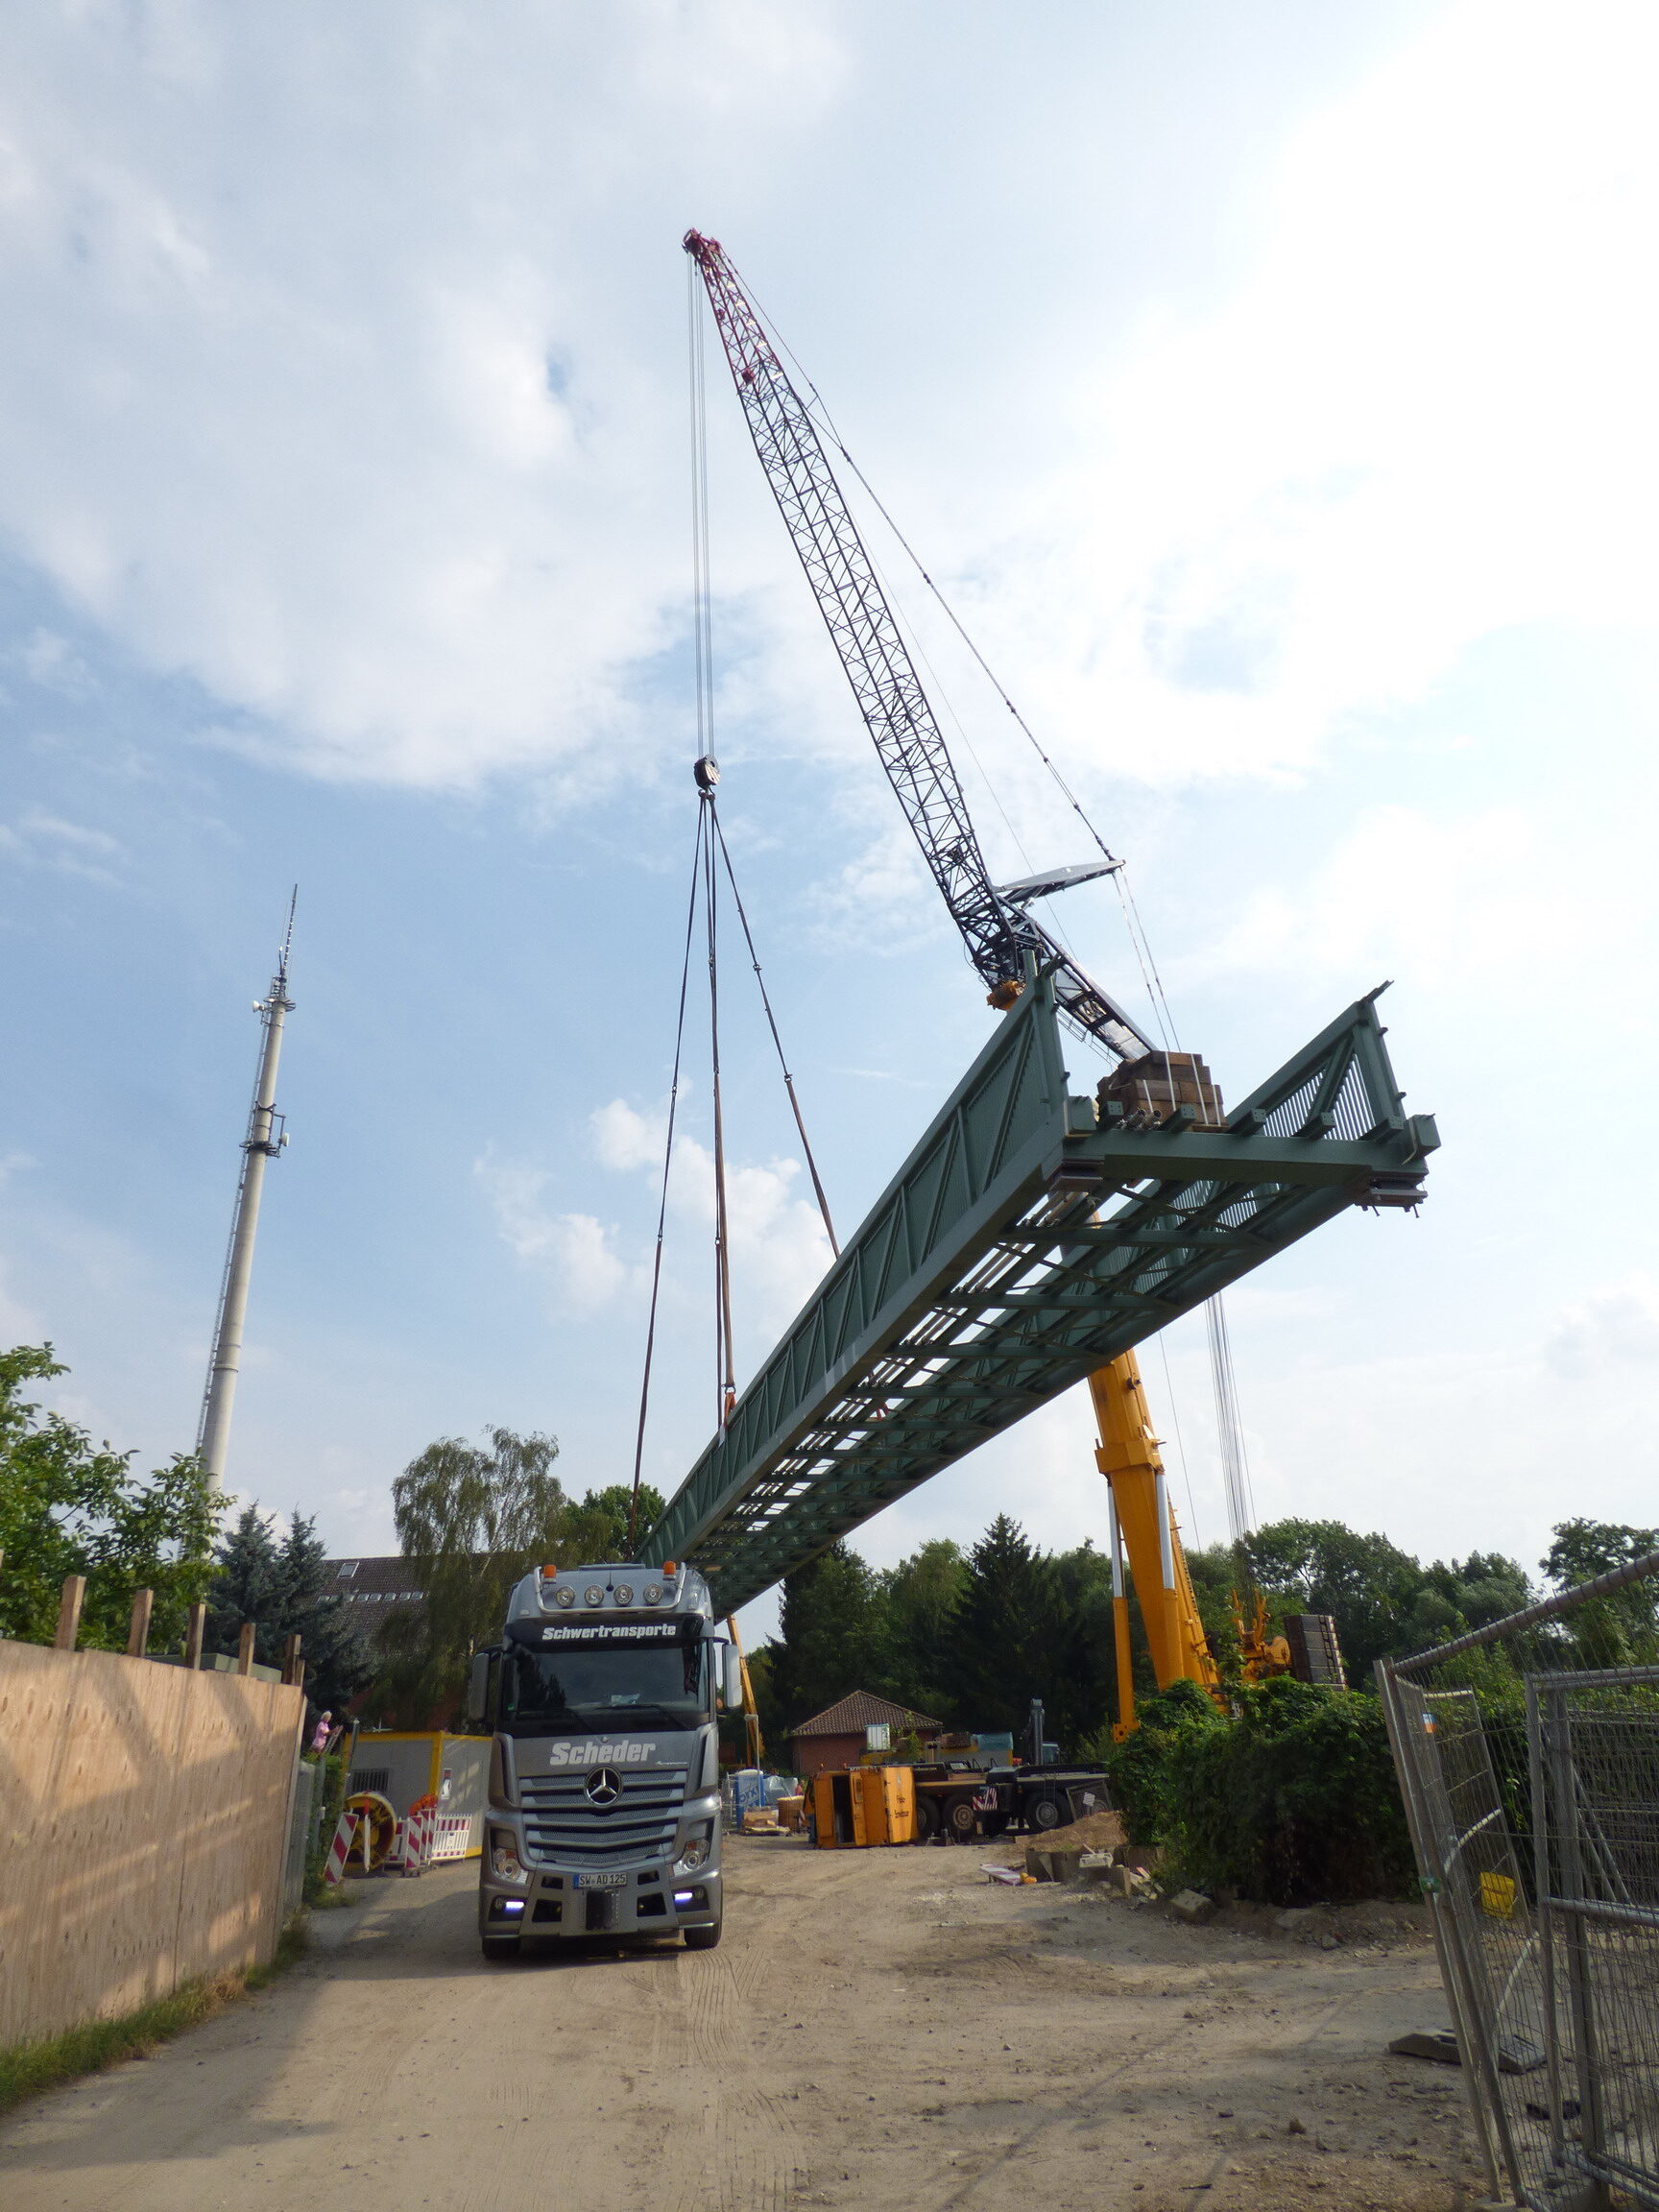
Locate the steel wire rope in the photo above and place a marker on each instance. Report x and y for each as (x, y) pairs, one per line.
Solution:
(726, 1383)
(771, 1023)
(663, 1201)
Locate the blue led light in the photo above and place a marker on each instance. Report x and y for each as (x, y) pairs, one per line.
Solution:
(512, 1904)
(683, 1896)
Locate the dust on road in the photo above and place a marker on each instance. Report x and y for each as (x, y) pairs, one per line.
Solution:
(879, 2028)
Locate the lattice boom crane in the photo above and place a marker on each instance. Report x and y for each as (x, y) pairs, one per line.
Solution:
(996, 926)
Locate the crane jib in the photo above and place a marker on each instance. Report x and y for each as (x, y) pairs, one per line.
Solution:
(999, 934)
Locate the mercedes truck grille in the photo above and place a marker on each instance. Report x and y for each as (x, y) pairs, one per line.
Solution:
(562, 1824)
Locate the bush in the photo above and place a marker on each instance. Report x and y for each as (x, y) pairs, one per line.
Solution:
(1292, 1800)
(1142, 1768)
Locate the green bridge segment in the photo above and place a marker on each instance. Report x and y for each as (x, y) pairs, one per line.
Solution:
(1021, 1246)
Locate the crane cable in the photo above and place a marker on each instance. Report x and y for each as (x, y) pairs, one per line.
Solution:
(663, 1201)
(771, 1023)
(724, 1368)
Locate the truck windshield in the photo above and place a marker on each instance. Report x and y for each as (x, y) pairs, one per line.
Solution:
(582, 1692)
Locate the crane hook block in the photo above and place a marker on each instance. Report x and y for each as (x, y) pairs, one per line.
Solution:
(1003, 995)
(706, 772)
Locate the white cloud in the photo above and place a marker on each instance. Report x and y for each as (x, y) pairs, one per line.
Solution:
(367, 415)
(355, 409)
(779, 1246)
(39, 839)
(1447, 903)
(577, 1251)
(1608, 1329)
(1423, 415)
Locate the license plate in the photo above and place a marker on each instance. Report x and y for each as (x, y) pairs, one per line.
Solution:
(600, 1881)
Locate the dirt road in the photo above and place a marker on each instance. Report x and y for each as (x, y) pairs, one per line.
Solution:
(879, 2028)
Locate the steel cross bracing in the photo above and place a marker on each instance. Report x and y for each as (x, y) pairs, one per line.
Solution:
(912, 749)
(1022, 1245)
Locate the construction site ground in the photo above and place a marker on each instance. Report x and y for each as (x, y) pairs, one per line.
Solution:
(878, 2028)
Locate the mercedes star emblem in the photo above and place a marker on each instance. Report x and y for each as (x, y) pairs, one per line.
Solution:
(604, 1785)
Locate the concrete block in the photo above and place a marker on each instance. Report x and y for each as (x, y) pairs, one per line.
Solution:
(1193, 1907)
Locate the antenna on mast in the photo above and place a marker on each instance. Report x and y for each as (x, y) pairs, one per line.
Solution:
(267, 1136)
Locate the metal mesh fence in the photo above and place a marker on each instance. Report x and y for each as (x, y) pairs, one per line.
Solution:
(1528, 1758)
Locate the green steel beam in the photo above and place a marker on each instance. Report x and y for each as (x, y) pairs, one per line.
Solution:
(1021, 1246)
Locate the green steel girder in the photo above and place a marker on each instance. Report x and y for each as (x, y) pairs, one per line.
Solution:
(1020, 1246)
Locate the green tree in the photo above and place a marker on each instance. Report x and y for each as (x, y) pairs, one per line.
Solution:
(1366, 1583)
(999, 1648)
(598, 1527)
(69, 1508)
(833, 1635)
(475, 1520)
(286, 1590)
(1622, 1627)
(920, 1595)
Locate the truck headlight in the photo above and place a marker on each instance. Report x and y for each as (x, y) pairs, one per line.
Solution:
(505, 1862)
(693, 1851)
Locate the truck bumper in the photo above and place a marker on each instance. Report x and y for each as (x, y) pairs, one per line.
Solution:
(650, 1901)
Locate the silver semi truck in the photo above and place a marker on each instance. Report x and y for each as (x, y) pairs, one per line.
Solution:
(604, 1802)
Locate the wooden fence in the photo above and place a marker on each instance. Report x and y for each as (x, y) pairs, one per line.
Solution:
(143, 1826)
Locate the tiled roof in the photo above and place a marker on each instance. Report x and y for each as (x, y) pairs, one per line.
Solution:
(376, 1584)
(854, 1714)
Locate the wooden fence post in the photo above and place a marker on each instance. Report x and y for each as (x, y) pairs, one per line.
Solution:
(138, 1628)
(293, 1668)
(69, 1612)
(195, 1634)
(245, 1647)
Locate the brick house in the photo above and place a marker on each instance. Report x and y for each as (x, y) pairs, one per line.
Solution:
(835, 1738)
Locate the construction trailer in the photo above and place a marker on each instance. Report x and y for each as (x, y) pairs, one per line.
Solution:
(404, 1766)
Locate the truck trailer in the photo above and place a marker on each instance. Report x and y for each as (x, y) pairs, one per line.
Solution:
(603, 1807)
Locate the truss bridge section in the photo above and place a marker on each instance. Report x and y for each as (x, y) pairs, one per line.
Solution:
(1025, 1240)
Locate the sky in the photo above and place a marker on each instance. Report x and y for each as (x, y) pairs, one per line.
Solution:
(1269, 392)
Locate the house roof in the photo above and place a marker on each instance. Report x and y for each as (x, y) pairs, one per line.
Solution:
(376, 1584)
(851, 1716)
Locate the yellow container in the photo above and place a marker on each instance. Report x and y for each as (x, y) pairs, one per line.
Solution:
(837, 1812)
(867, 1805)
(889, 1795)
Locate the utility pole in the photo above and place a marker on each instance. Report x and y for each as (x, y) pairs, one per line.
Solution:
(265, 1139)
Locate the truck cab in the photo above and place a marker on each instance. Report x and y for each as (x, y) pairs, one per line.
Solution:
(603, 1816)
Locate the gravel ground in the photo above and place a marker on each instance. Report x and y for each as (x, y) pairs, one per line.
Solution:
(878, 2029)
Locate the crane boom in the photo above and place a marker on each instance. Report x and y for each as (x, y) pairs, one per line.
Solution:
(996, 928)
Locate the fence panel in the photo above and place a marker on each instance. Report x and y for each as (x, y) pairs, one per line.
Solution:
(143, 1827)
(1531, 1784)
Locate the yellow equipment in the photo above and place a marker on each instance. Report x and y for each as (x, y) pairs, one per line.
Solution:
(1144, 1527)
(751, 1711)
(864, 1806)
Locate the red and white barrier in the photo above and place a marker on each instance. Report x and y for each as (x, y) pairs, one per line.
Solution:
(340, 1850)
(414, 1847)
(452, 1835)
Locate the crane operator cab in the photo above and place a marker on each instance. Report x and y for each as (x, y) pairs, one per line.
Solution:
(604, 1803)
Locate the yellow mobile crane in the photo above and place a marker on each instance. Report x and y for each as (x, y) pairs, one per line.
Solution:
(1144, 1528)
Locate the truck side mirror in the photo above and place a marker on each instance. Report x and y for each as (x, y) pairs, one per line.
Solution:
(730, 1678)
(478, 1688)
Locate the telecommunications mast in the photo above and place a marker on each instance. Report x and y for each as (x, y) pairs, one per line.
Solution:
(265, 1139)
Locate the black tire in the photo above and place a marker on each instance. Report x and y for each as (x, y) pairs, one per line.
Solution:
(927, 1820)
(498, 1949)
(1045, 1812)
(703, 1939)
(962, 1820)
